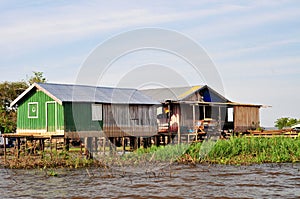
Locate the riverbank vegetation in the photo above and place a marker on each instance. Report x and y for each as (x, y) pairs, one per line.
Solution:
(57, 159)
(236, 150)
(245, 150)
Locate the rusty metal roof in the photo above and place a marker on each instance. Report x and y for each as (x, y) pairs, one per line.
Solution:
(83, 93)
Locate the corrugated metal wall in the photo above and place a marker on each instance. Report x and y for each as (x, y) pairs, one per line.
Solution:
(38, 124)
(245, 118)
(78, 117)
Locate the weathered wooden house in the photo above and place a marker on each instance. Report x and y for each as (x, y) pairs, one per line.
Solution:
(184, 106)
(85, 111)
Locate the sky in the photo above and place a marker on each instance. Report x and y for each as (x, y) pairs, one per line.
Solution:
(253, 45)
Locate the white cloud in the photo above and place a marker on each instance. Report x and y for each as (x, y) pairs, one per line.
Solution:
(34, 28)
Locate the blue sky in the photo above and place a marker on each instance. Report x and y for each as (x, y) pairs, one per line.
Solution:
(255, 45)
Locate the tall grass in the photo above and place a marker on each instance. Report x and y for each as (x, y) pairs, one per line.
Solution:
(236, 150)
(161, 153)
(243, 150)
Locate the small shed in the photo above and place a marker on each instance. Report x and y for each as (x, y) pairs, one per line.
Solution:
(85, 111)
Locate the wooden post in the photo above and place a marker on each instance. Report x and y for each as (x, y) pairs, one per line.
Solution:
(18, 147)
(51, 147)
(220, 119)
(163, 139)
(96, 144)
(25, 147)
(43, 145)
(194, 118)
(138, 142)
(178, 130)
(157, 140)
(115, 144)
(123, 144)
(34, 146)
(104, 144)
(67, 143)
(42, 142)
(169, 123)
(4, 142)
(110, 145)
(135, 144)
(89, 144)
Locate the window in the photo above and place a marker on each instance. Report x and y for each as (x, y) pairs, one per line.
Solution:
(33, 110)
(96, 112)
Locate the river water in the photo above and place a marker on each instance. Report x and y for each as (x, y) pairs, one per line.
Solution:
(176, 181)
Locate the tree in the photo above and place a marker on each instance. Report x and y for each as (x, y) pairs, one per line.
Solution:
(285, 122)
(9, 91)
(38, 77)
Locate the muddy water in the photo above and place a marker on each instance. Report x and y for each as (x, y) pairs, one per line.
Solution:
(202, 181)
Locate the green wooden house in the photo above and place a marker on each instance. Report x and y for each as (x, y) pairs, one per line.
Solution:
(85, 111)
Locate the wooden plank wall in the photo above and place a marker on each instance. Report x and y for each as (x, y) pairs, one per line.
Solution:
(245, 118)
(129, 120)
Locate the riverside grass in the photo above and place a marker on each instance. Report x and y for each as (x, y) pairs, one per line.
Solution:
(245, 150)
(235, 151)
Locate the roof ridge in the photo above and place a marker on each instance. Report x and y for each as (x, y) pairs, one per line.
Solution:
(176, 87)
(85, 85)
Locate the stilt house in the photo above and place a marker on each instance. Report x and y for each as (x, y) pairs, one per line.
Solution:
(88, 111)
(85, 111)
(182, 107)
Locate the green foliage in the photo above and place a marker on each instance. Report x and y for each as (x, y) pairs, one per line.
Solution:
(286, 122)
(38, 77)
(161, 153)
(8, 92)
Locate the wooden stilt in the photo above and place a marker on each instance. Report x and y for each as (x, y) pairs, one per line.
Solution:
(67, 143)
(179, 130)
(104, 144)
(114, 147)
(18, 147)
(51, 147)
(135, 143)
(123, 144)
(25, 146)
(56, 145)
(156, 140)
(34, 147)
(110, 145)
(138, 142)
(4, 149)
(96, 144)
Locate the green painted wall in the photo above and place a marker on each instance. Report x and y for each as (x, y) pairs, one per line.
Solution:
(29, 120)
(78, 117)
